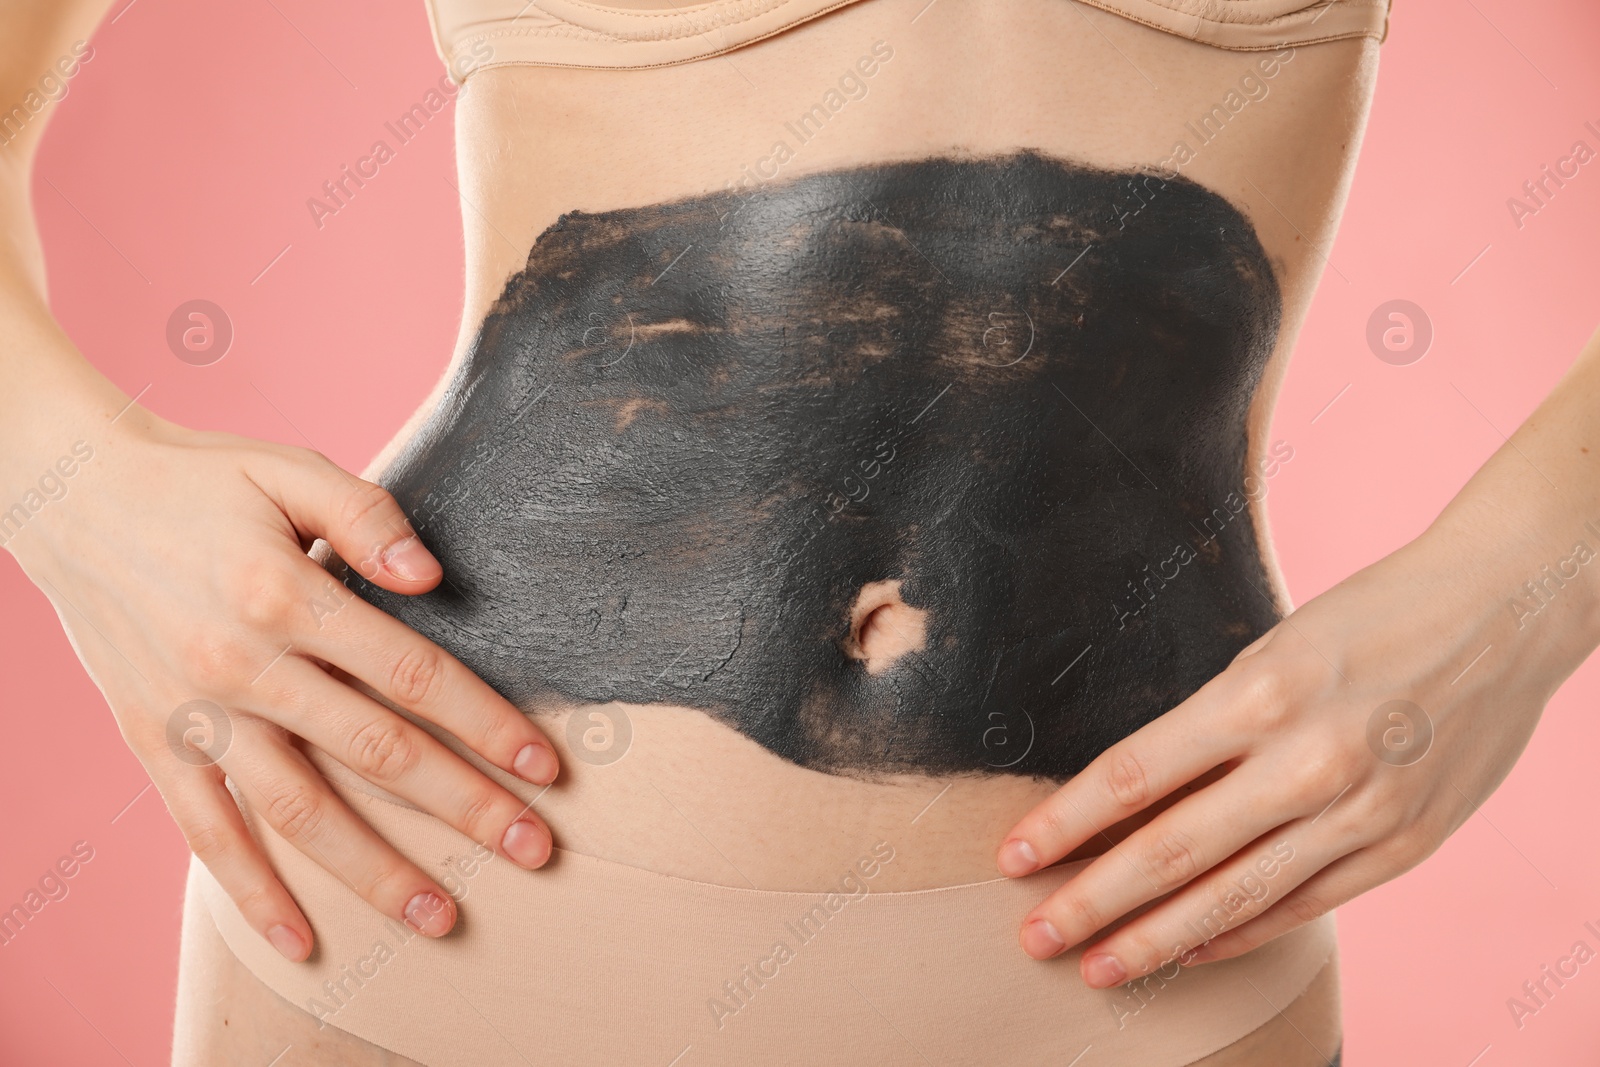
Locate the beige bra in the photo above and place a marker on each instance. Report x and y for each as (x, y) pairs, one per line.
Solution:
(473, 34)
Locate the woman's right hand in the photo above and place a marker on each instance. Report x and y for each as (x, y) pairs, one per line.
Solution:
(178, 564)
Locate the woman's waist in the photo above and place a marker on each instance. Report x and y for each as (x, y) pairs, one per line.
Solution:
(672, 791)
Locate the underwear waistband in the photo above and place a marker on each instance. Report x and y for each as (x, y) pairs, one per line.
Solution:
(589, 961)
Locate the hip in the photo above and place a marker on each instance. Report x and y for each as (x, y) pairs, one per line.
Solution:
(742, 975)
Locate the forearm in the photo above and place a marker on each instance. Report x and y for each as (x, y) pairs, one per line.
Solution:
(1526, 527)
(50, 396)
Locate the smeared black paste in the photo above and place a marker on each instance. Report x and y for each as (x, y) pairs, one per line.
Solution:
(689, 433)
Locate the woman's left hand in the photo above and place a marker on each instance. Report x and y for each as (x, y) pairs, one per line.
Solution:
(1349, 741)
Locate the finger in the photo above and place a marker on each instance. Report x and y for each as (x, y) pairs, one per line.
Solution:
(282, 787)
(1224, 899)
(1176, 847)
(1338, 883)
(390, 751)
(211, 823)
(1126, 778)
(360, 519)
(412, 672)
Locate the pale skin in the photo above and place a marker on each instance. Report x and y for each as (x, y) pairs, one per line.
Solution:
(533, 143)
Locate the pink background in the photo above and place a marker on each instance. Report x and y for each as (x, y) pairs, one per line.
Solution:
(180, 166)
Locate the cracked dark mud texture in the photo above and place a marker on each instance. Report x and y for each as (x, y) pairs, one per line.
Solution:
(689, 433)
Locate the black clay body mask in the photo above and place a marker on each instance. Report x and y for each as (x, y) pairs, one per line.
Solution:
(690, 434)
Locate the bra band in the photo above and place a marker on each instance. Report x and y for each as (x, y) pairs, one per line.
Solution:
(474, 34)
(592, 962)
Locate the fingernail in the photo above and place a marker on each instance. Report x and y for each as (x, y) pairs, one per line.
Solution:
(526, 843)
(290, 945)
(1040, 940)
(409, 560)
(537, 764)
(1101, 971)
(1017, 858)
(428, 913)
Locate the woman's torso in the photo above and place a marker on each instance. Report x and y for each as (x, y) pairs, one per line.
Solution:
(769, 779)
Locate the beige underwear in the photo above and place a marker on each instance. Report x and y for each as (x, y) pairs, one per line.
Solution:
(591, 962)
(475, 34)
